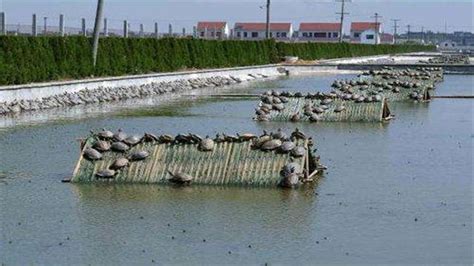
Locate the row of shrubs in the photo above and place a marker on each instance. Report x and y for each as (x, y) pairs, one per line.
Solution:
(35, 59)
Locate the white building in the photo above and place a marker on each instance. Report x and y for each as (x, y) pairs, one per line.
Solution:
(213, 30)
(255, 31)
(366, 32)
(319, 32)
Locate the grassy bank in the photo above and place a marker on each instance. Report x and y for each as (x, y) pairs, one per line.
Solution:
(27, 59)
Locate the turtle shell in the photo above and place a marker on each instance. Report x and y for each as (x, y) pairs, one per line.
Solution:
(119, 147)
(206, 144)
(92, 154)
(138, 155)
(287, 146)
(101, 145)
(271, 145)
(166, 138)
(132, 140)
(119, 164)
(105, 174)
(298, 152)
(105, 134)
(120, 136)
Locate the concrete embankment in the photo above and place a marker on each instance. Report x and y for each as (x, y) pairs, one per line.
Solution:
(15, 99)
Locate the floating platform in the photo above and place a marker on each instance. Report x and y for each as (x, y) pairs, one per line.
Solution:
(229, 163)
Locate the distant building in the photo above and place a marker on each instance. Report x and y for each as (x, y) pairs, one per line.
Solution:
(213, 30)
(366, 32)
(387, 38)
(319, 32)
(255, 31)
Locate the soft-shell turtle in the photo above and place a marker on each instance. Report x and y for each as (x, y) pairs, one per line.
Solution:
(119, 164)
(271, 145)
(138, 155)
(132, 140)
(120, 135)
(101, 145)
(298, 152)
(92, 154)
(105, 174)
(180, 178)
(119, 147)
(206, 144)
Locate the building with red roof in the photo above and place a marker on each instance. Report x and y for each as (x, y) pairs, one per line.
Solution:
(319, 32)
(253, 31)
(366, 32)
(212, 30)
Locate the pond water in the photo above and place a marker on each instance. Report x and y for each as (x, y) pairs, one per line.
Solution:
(399, 192)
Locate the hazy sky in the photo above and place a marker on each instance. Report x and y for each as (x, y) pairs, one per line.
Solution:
(433, 14)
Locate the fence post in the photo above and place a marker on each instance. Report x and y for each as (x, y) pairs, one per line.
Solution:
(3, 24)
(170, 30)
(125, 29)
(106, 28)
(156, 30)
(142, 31)
(34, 28)
(61, 25)
(84, 30)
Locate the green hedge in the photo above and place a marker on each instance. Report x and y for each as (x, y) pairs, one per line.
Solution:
(35, 59)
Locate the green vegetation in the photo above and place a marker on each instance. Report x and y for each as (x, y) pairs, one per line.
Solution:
(35, 59)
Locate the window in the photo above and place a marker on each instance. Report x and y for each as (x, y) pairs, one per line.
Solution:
(254, 34)
(356, 35)
(283, 34)
(320, 35)
(335, 34)
(305, 34)
(369, 37)
(310, 34)
(245, 34)
(238, 34)
(271, 34)
(202, 33)
(278, 35)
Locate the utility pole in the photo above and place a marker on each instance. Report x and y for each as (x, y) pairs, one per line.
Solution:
(408, 31)
(422, 34)
(98, 19)
(395, 29)
(376, 17)
(267, 32)
(3, 24)
(342, 13)
(45, 30)
(34, 29)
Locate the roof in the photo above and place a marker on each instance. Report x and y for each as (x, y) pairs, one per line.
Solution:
(263, 26)
(316, 26)
(362, 26)
(211, 25)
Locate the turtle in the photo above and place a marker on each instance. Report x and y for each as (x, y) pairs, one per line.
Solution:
(195, 138)
(396, 90)
(276, 100)
(287, 146)
(267, 99)
(378, 98)
(257, 143)
(182, 138)
(339, 109)
(119, 164)
(284, 99)
(298, 152)
(271, 145)
(295, 117)
(119, 146)
(166, 138)
(326, 101)
(355, 96)
(219, 138)
(148, 137)
(120, 135)
(132, 140)
(105, 174)
(246, 136)
(230, 138)
(260, 111)
(92, 154)
(180, 178)
(206, 144)
(291, 168)
(318, 110)
(290, 181)
(360, 99)
(297, 134)
(266, 106)
(262, 118)
(101, 145)
(138, 155)
(298, 95)
(278, 106)
(314, 117)
(105, 134)
(279, 134)
(276, 93)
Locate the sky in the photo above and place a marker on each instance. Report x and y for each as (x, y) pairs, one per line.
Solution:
(432, 15)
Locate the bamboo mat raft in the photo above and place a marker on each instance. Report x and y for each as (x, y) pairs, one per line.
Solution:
(353, 112)
(229, 163)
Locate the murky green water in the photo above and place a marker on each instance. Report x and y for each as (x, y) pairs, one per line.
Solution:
(381, 178)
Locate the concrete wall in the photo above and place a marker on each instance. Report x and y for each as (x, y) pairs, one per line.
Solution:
(40, 90)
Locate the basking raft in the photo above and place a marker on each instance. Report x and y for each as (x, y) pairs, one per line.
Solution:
(394, 85)
(249, 160)
(320, 107)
